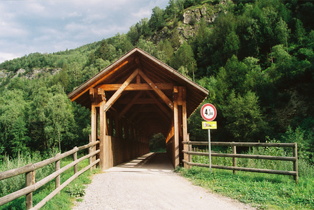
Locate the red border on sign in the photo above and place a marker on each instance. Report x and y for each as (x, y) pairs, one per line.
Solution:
(215, 110)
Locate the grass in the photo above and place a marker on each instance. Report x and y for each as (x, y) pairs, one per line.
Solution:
(264, 191)
(64, 200)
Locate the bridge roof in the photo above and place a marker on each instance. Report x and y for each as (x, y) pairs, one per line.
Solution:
(156, 70)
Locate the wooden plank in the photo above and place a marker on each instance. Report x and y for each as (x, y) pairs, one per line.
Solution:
(135, 86)
(118, 93)
(241, 144)
(269, 171)
(138, 101)
(161, 94)
(265, 157)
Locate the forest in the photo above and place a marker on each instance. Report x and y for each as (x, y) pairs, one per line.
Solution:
(256, 58)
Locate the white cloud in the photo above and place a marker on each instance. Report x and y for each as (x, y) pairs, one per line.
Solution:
(48, 25)
(8, 56)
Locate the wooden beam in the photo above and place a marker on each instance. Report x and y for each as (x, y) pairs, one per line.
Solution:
(118, 93)
(138, 101)
(130, 104)
(134, 87)
(103, 131)
(176, 153)
(97, 81)
(93, 124)
(170, 134)
(163, 109)
(157, 90)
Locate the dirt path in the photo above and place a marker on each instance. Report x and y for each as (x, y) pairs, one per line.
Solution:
(149, 183)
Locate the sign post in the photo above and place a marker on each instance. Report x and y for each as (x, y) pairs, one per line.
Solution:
(209, 113)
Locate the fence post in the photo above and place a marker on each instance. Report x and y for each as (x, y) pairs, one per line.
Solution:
(295, 163)
(186, 158)
(57, 167)
(74, 159)
(234, 160)
(30, 180)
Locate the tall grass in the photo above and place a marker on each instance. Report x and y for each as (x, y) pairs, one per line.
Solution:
(264, 191)
(305, 169)
(64, 200)
(17, 182)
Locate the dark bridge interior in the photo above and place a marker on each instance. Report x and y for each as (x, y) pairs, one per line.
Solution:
(134, 98)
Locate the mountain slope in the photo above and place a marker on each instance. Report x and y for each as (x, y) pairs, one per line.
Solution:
(255, 57)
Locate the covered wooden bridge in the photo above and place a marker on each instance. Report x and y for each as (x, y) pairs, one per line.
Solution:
(132, 99)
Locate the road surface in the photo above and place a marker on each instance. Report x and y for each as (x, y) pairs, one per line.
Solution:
(149, 183)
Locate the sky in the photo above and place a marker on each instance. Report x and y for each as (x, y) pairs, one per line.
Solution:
(46, 26)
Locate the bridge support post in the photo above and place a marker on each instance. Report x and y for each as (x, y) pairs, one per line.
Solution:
(93, 136)
(179, 123)
(103, 131)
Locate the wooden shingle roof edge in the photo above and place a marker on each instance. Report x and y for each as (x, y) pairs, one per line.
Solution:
(83, 88)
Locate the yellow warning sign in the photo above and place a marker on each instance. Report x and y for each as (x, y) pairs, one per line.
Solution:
(209, 125)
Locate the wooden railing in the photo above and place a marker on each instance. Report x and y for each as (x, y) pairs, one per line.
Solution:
(188, 151)
(30, 170)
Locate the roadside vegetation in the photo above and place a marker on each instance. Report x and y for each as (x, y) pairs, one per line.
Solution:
(256, 58)
(64, 200)
(263, 191)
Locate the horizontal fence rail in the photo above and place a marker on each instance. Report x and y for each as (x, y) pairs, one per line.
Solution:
(30, 171)
(188, 152)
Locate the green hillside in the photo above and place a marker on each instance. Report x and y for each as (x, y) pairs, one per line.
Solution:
(255, 57)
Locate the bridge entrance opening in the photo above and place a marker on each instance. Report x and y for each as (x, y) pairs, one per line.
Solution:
(157, 143)
(133, 99)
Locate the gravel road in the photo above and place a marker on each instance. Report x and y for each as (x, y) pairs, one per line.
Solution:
(149, 183)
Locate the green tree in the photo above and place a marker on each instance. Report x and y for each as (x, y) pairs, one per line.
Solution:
(60, 119)
(106, 51)
(147, 46)
(38, 118)
(244, 118)
(282, 32)
(157, 20)
(13, 131)
(184, 56)
(165, 50)
(231, 45)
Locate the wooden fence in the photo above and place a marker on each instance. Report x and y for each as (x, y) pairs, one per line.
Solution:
(188, 151)
(30, 171)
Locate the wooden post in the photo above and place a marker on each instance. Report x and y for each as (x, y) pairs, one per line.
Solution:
(295, 163)
(74, 159)
(185, 132)
(93, 136)
(30, 180)
(57, 167)
(234, 160)
(103, 131)
(190, 149)
(176, 134)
